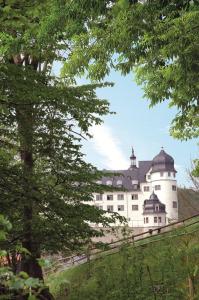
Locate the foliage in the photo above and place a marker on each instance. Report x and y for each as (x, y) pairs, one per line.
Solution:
(161, 268)
(159, 40)
(11, 286)
(44, 179)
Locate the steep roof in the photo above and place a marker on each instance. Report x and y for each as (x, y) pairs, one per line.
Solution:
(162, 162)
(128, 176)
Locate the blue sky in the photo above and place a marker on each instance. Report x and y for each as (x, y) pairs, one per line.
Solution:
(134, 124)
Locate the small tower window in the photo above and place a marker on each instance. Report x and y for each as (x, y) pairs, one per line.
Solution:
(146, 189)
(157, 187)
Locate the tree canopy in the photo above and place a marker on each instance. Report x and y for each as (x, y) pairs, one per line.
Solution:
(44, 178)
(158, 40)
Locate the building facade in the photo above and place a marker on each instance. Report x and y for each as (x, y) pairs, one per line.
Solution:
(145, 194)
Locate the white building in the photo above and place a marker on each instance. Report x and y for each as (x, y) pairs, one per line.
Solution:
(145, 194)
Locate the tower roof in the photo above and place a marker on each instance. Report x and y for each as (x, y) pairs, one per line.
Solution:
(162, 162)
(153, 205)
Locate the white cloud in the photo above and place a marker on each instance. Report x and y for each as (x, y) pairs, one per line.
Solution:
(108, 147)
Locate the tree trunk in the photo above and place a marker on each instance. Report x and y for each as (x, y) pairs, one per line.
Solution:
(25, 122)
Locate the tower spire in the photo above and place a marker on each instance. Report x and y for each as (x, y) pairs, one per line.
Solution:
(133, 159)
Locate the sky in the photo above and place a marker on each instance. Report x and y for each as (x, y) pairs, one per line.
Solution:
(135, 125)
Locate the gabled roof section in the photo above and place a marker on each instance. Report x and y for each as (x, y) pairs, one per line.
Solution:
(130, 178)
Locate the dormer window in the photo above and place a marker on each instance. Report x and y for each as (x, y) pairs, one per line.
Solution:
(135, 187)
(119, 182)
(109, 182)
(149, 177)
(99, 182)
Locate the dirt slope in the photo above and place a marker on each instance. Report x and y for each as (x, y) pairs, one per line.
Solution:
(188, 203)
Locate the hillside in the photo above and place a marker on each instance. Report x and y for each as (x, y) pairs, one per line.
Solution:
(188, 203)
(163, 267)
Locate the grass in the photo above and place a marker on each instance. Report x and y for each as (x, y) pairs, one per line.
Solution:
(162, 262)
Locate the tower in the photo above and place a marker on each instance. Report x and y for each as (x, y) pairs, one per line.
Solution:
(133, 160)
(163, 181)
(154, 213)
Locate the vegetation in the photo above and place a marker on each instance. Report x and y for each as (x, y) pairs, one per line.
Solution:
(188, 203)
(44, 179)
(162, 267)
(158, 40)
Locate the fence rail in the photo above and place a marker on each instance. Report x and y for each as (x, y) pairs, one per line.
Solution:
(113, 247)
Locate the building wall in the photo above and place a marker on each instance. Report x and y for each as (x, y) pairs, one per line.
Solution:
(167, 194)
(135, 218)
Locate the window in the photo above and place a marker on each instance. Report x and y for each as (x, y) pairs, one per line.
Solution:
(155, 219)
(157, 187)
(169, 174)
(134, 196)
(120, 197)
(157, 208)
(120, 207)
(159, 220)
(146, 188)
(135, 186)
(99, 206)
(173, 187)
(161, 174)
(109, 182)
(147, 220)
(149, 176)
(110, 208)
(175, 204)
(134, 207)
(99, 197)
(109, 197)
(119, 182)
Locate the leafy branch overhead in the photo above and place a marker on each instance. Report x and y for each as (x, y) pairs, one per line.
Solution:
(156, 39)
(44, 179)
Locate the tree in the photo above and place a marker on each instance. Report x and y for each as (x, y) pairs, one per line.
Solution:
(44, 179)
(156, 39)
